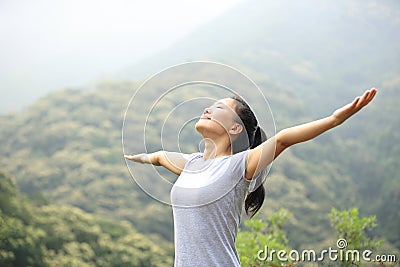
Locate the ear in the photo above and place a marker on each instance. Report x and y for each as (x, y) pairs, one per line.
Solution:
(236, 128)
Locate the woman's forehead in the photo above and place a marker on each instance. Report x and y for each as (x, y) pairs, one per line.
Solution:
(227, 102)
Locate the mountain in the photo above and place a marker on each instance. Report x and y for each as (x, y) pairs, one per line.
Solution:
(308, 58)
(67, 147)
(35, 233)
(334, 48)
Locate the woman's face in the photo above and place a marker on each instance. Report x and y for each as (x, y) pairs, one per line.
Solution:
(220, 118)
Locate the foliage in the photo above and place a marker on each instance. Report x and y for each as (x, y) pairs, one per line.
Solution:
(65, 149)
(352, 230)
(260, 241)
(263, 235)
(72, 156)
(65, 236)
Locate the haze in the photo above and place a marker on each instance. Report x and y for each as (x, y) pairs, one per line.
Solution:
(48, 45)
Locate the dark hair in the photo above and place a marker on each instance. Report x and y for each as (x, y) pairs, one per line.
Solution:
(251, 137)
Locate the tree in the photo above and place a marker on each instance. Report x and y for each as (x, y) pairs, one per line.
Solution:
(55, 235)
(261, 237)
(352, 233)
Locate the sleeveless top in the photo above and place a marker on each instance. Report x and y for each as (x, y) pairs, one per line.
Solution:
(207, 201)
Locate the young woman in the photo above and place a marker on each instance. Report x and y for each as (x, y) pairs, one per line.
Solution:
(213, 186)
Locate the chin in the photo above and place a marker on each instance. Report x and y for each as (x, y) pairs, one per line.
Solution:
(199, 126)
(203, 126)
(209, 127)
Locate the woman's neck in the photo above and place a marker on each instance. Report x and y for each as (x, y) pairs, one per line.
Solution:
(216, 148)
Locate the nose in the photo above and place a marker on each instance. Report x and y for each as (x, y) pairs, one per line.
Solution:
(207, 111)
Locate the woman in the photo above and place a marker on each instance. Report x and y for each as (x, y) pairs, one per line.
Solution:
(213, 186)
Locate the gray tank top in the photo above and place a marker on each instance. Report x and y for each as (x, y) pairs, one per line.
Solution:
(207, 201)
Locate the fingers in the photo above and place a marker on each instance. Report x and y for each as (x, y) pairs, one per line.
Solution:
(356, 101)
(363, 100)
(373, 92)
(141, 158)
(368, 96)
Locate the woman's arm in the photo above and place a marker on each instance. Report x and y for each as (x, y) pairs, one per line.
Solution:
(173, 161)
(261, 156)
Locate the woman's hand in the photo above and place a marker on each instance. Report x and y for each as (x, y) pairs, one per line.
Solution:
(343, 113)
(140, 158)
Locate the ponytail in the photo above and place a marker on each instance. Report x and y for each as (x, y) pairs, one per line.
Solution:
(254, 137)
(255, 199)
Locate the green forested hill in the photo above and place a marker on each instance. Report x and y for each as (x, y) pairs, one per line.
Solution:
(307, 58)
(67, 149)
(33, 233)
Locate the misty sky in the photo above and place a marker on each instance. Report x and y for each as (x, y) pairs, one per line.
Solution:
(47, 45)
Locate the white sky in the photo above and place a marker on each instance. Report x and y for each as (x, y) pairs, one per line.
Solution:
(58, 43)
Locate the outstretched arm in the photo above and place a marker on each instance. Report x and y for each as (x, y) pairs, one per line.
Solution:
(261, 156)
(173, 161)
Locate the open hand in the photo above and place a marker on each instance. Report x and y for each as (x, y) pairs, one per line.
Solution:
(349, 110)
(141, 158)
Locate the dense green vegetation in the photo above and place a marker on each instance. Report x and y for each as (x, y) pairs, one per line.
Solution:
(265, 243)
(352, 234)
(259, 234)
(67, 148)
(33, 233)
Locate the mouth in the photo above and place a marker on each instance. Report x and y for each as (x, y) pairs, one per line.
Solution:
(205, 118)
